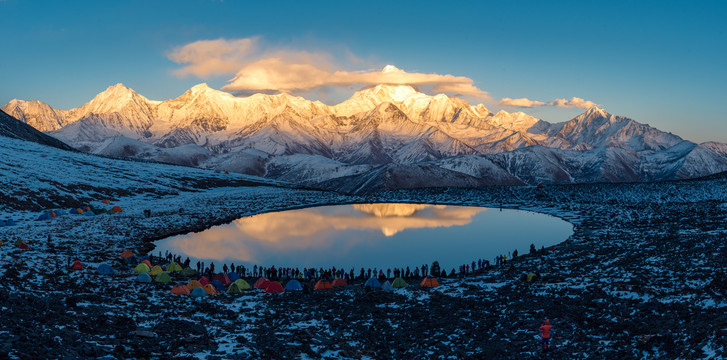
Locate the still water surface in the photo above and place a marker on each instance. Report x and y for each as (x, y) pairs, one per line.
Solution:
(370, 235)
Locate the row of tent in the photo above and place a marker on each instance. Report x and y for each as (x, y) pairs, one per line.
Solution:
(216, 286)
(103, 269)
(87, 211)
(20, 244)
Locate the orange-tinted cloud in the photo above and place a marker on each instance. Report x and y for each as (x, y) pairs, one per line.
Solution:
(212, 57)
(522, 102)
(294, 70)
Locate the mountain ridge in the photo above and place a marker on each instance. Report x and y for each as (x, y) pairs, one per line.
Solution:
(394, 126)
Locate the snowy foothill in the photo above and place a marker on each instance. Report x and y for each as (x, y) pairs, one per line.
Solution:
(641, 277)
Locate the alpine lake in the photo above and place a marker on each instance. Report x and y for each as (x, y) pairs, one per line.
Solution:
(383, 235)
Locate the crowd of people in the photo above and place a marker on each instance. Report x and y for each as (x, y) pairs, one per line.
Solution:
(278, 273)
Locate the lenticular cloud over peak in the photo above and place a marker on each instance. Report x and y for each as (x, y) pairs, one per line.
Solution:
(283, 69)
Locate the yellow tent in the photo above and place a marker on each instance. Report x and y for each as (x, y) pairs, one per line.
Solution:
(156, 270)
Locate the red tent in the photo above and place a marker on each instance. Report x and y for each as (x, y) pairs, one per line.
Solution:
(323, 285)
(148, 263)
(262, 283)
(204, 280)
(540, 186)
(126, 254)
(116, 208)
(339, 282)
(106, 201)
(274, 287)
(223, 278)
(23, 246)
(179, 290)
(77, 265)
(429, 282)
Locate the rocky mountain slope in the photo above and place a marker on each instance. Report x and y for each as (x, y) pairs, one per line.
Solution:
(379, 131)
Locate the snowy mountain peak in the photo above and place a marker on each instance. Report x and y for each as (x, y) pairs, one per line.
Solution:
(595, 112)
(203, 87)
(115, 94)
(390, 68)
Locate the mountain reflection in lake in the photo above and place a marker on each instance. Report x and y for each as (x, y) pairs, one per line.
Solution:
(370, 235)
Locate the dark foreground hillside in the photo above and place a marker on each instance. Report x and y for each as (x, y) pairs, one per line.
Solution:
(641, 277)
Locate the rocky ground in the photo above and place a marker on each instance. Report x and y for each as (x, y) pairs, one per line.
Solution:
(641, 277)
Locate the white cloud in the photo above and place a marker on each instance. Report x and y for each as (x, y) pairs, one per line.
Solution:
(574, 102)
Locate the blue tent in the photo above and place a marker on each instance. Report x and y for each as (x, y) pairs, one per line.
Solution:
(233, 276)
(88, 213)
(44, 216)
(143, 277)
(218, 285)
(293, 285)
(73, 211)
(198, 292)
(373, 283)
(105, 269)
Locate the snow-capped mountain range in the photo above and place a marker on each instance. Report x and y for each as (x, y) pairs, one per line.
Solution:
(382, 137)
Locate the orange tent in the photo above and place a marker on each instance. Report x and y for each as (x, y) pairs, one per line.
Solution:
(52, 214)
(23, 246)
(262, 283)
(80, 211)
(193, 284)
(87, 208)
(106, 201)
(323, 285)
(77, 265)
(227, 173)
(210, 290)
(429, 282)
(339, 282)
(180, 290)
(126, 254)
(204, 280)
(148, 263)
(116, 208)
(274, 287)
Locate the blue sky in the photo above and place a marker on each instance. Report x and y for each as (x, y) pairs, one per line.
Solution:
(658, 62)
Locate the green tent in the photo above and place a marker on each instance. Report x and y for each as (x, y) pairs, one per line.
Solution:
(142, 268)
(189, 272)
(163, 277)
(531, 276)
(233, 289)
(399, 283)
(173, 266)
(242, 284)
(18, 242)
